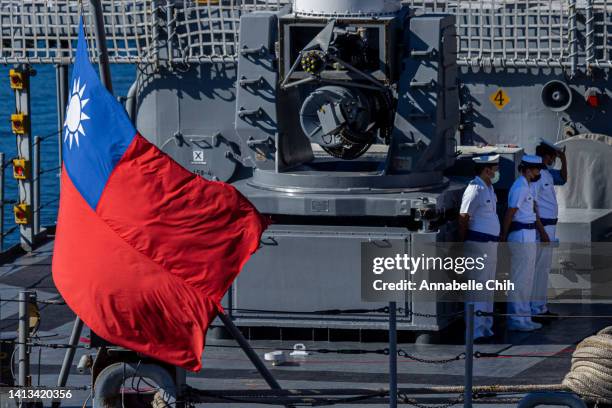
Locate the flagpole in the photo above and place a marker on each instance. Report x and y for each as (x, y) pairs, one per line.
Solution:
(75, 337)
(248, 350)
(103, 62)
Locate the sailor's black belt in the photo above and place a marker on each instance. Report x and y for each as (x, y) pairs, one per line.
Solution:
(481, 237)
(517, 226)
(549, 221)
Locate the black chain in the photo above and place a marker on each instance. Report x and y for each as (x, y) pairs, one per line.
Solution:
(404, 354)
(481, 354)
(42, 302)
(411, 401)
(382, 310)
(384, 352)
(409, 312)
(194, 393)
(46, 345)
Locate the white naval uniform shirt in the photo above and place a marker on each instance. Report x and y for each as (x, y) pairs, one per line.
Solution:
(546, 196)
(480, 202)
(522, 196)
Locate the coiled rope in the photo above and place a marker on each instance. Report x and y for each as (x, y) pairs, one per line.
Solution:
(591, 372)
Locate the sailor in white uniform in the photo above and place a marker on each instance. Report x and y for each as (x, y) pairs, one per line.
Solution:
(479, 227)
(548, 210)
(519, 229)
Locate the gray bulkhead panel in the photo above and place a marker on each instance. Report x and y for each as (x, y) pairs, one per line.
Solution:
(305, 268)
(189, 114)
(524, 118)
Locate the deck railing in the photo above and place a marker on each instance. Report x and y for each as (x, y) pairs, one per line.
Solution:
(571, 34)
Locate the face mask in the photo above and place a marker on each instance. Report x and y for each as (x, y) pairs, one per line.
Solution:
(495, 178)
(537, 178)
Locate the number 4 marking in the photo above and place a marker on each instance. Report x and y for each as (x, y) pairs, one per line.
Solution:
(499, 99)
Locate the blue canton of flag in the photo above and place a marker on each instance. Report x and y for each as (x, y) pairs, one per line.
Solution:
(97, 130)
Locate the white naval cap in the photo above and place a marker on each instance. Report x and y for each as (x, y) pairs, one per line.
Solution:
(489, 159)
(531, 160)
(551, 145)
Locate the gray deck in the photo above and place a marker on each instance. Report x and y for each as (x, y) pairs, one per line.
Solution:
(228, 368)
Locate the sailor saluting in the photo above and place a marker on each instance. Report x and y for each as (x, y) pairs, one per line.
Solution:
(548, 209)
(479, 227)
(519, 228)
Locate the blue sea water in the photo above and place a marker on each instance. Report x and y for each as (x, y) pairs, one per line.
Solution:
(44, 123)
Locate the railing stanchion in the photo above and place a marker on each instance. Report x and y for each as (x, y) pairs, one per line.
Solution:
(61, 74)
(1, 202)
(392, 355)
(469, 355)
(36, 186)
(24, 380)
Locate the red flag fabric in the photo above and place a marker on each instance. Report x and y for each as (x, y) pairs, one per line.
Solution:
(144, 249)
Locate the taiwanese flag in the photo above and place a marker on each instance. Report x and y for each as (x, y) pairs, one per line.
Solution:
(144, 250)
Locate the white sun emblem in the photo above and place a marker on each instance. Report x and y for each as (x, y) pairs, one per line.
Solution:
(75, 116)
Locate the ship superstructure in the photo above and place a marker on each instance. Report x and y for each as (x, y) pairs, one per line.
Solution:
(345, 121)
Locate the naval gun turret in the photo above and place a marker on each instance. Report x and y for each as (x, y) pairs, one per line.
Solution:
(338, 120)
(348, 78)
(349, 111)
